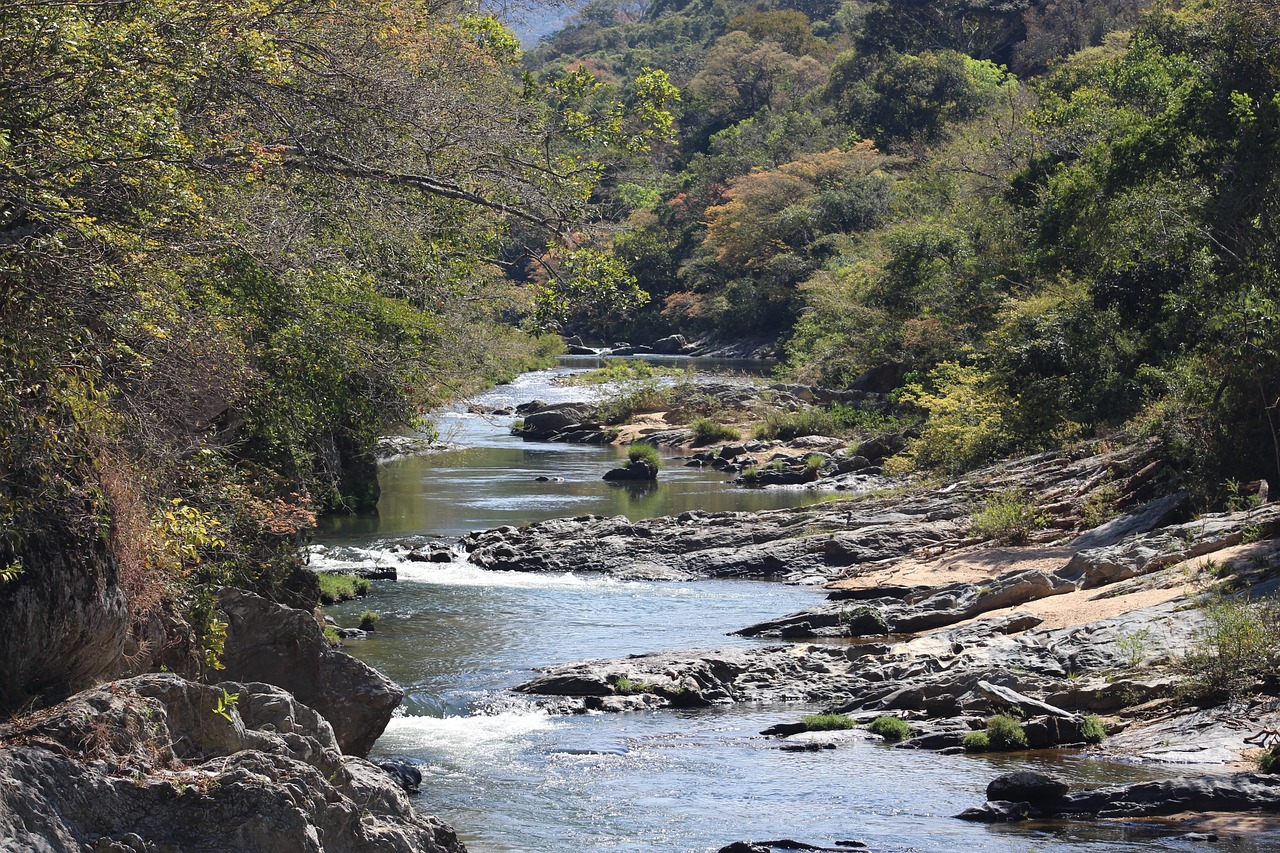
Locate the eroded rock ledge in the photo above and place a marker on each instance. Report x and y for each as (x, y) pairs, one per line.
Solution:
(160, 764)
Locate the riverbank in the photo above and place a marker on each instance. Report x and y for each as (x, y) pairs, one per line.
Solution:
(943, 629)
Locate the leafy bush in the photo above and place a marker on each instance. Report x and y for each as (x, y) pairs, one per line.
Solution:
(641, 452)
(706, 431)
(813, 465)
(1268, 762)
(1005, 733)
(827, 722)
(784, 426)
(1238, 648)
(335, 588)
(643, 397)
(965, 423)
(369, 620)
(622, 370)
(976, 742)
(331, 636)
(1010, 516)
(1093, 729)
(891, 729)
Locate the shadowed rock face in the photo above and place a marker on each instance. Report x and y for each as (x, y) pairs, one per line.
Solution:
(287, 648)
(161, 765)
(62, 624)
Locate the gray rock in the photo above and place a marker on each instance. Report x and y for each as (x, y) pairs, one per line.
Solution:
(1009, 698)
(1027, 786)
(998, 811)
(157, 763)
(638, 469)
(1155, 514)
(286, 647)
(1238, 792)
(62, 623)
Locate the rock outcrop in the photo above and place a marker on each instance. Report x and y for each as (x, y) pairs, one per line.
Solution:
(158, 764)
(286, 647)
(63, 622)
(1022, 795)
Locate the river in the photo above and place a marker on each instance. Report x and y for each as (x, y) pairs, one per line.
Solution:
(514, 780)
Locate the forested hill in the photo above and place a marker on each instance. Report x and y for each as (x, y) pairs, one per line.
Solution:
(1052, 217)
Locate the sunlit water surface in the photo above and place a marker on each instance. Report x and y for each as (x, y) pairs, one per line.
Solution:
(511, 778)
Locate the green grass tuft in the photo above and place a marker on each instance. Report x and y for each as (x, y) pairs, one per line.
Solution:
(827, 722)
(706, 431)
(335, 588)
(891, 729)
(644, 452)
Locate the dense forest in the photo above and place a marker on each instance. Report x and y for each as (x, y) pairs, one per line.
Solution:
(240, 239)
(1049, 218)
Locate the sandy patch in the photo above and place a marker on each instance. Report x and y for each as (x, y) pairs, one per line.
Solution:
(967, 566)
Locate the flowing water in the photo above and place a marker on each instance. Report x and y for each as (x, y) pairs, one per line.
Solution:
(513, 779)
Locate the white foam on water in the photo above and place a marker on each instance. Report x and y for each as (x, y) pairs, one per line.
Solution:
(480, 732)
(460, 573)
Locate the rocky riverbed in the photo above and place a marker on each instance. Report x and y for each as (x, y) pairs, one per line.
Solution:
(943, 630)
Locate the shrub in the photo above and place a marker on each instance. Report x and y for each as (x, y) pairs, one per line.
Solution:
(1268, 762)
(626, 687)
(1005, 733)
(976, 742)
(1010, 516)
(641, 452)
(1238, 648)
(335, 588)
(827, 722)
(813, 465)
(965, 423)
(891, 729)
(1093, 729)
(331, 636)
(784, 426)
(642, 397)
(369, 620)
(622, 370)
(705, 431)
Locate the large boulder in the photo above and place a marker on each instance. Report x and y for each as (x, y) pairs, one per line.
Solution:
(287, 648)
(63, 620)
(160, 764)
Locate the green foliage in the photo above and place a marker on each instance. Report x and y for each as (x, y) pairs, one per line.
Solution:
(641, 452)
(1135, 646)
(224, 704)
(976, 742)
(634, 399)
(1235, 652)
(1011, 516)
(827, 722)
(965, 419)
(892, 729)
(624, 686)
(623, 370)
(1268, 761)
(1094, 730)
(896, 97)
(332, 637)
(1004, 733)
(813, 464)
(369, 620)
(706, 431)
(336, 588)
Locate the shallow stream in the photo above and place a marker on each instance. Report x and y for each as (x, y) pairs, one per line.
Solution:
(513, 779)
